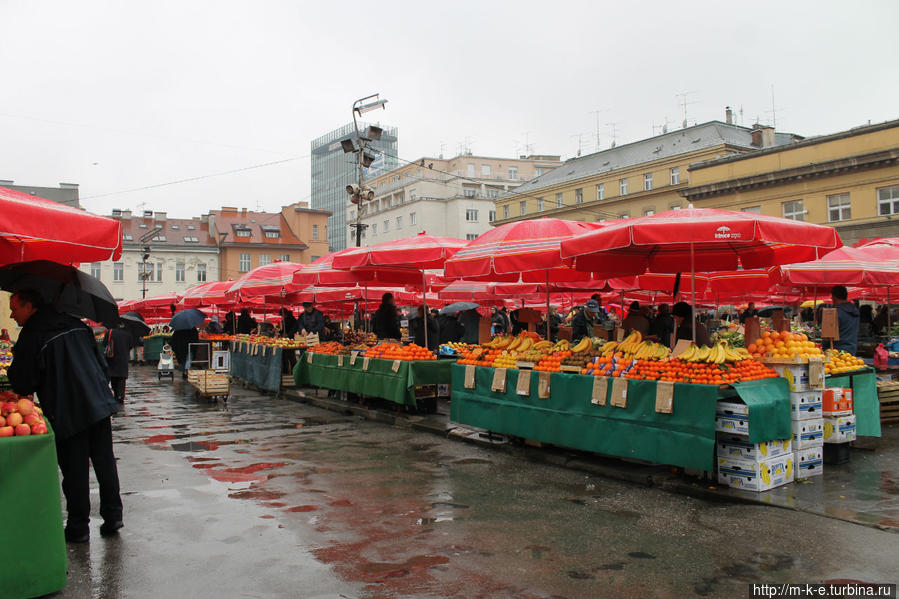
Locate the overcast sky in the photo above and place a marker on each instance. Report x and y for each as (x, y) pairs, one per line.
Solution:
(121, 95)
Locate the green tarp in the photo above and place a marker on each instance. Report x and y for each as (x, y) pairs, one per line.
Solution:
(864, 397)
(769, 408)
(33, 552)
(262, 369)
(152, 347)
(378, 381)
(568, 418)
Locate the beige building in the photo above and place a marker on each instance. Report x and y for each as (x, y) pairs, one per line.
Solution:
(443, 197)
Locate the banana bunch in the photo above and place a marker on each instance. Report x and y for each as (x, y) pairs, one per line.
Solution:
(582, 345)
(544, 346)
(521, 344)
(609, 348)
(561, 345)
(719, 353)
(651, 351)
(499, 342)
(631, 343)
(532, 355)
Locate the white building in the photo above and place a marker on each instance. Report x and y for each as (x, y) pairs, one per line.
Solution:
(445, 198)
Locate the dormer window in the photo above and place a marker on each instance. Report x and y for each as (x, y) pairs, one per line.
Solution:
(271, 232)
(242, 233)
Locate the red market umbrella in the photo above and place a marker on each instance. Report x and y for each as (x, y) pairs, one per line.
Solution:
(272, 279)
(865, 266)
(213, 293)
(161, 301)
(32, 228)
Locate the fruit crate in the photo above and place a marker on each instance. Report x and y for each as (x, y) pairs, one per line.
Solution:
(210, 383)
(287, 381)
(193, 376)
(888, 394)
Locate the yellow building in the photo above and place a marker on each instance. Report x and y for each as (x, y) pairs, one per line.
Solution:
(635, 179)
(849, 180)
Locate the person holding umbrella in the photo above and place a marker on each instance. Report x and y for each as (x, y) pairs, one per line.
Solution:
(57, 358)
(119, 342)
(185, 325)
(471, 322)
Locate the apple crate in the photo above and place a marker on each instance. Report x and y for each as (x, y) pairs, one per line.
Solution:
(212, 383)
(193, 376)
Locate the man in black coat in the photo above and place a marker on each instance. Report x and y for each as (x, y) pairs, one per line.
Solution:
(386, 321)
(311, 320)
(57, 357)
(245, 323)
(118, 348)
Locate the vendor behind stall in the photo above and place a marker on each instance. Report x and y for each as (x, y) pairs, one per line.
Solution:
(245, 323)
(386, 321)
(417, 329)
(289, 324)
(583, 321)
(847, 319)
(635, 320)
(311, 320)
(683, 316)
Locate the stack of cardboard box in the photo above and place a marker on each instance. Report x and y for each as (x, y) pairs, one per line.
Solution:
(838, 424)
(745, 465)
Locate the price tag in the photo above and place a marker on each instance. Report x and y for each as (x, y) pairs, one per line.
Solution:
(524, 383)
(816, 372)
(543, 379)
(600, 390)
(619, 392)
(469, 376)
(340, 360)
(682, 346)
(308, 357)
(365, 362)
(619, 335)
(396, 366)
(499, 380)
(404, 324)
(353, 356)
(665, 397)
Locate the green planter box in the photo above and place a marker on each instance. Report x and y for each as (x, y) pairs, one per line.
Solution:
(33, 553)
(153, 346)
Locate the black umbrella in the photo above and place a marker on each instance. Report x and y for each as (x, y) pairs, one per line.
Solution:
(64, 287)
(458, 307)
(187, 319)
(135, 324)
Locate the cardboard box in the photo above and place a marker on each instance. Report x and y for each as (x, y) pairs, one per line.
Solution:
(839, 429)
(750, 475)
(732, 418)
(808, 433)
(836, 402)
(739, 447)
(796, 375)
(805, 405)
(809, 462)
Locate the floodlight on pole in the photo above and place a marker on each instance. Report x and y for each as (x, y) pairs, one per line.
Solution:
(359, 193)
(348, 146)
(363, 108)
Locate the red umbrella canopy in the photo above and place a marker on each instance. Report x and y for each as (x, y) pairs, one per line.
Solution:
(422, 252)
(872, 265)
(529, 247)
(207, 294)
(161, 301)
(33, 228)
(716, 240)
(271, 279)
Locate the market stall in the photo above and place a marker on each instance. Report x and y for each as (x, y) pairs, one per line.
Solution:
(258, 364)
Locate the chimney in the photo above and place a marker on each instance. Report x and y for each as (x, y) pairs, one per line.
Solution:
(161, 216)
(728, 115)
(4, 182)
(243, 210)
(148, 214)
(762, 136)
(68, 186)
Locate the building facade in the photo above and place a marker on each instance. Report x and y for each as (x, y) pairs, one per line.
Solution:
(849, 180)
(443, 197)
(66, 193)
(333, 170)
(248, 239)
(634, 179)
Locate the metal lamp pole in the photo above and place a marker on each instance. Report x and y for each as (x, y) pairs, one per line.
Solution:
(360, 107)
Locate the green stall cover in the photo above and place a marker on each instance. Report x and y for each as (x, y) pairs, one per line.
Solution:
(864, 397)
(769, 408)
(153, 346)
(33, 553)
(261, 369)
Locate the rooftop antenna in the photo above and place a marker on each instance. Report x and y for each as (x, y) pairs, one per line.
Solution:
(741, 115)
(527, 147)
(684, 103)
(773, 110)
(614, 128)
(660, 129)
(596, 113)
(580, 139)
(442, 146)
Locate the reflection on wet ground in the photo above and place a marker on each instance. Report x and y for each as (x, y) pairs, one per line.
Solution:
(386, 512)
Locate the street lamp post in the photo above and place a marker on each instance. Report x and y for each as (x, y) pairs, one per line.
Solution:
(144, 275)
(358, 193)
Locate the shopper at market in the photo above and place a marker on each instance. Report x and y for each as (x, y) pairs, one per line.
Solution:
(180, 342)
(880, 321)
(386, 321)
(555, 321)
(583, 322)
(749, 312)
(57, 358)
(603, 315)
(289, 324)
(228, 327)
(246, 324)
(471, 322)
(635, 321)
(662, 326)
(214, 327)
(311, 320)
(119, 342)
(683, 317)
(501, 322)
(450, 328)
(847, 319)
(417, 330)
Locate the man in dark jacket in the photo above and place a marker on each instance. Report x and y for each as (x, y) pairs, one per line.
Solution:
(583, 321)
(289, 324)
(245, 323)
(311, 320)
(57, 358)
(847, 319)
(417, 330)
(118, 349)
(451, 329)
(662, 326)
(180, 342)
(386, 321)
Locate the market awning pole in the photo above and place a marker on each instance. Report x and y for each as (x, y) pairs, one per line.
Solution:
(693, 291)
(889, 325)
(547, 305)
(424, 302)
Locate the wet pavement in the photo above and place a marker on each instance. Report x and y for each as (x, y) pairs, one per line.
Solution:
(263, 497)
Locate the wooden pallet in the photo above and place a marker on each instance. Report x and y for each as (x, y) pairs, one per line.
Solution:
(888, 394)
(210, 383)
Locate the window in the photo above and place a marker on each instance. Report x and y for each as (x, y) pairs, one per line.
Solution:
(675, 175)
(470, 192)
(794, 210)
(559, 202)
(888, 200)
(471, 215)
(201, 273)
(116, 212)
(399, 222)
(625, 215)
(506, 211)
(144, 267)
(485, 170)
(190, 227)
(271, 234)
(753, 209)
(491, 216)
(838, 207)
(470, 170)
(412, 219)
(675, 206)
(539, 204)
(579, 195)
(314, 232)
(242, 232)
(314, 258)
(374, 229)
(264, 259)
(471, 236)
(622, 187)
(513, 173)
(95, 270)
(386, 225)
(159, 238)
(492, 193)
(159, 272)
(524, 207)
(649, 212)
(129, 237)
(118, 271)
(600, 192)
(244, 263)
(142, 225)
(179, 272)
(647, 181)
(175, 227)
(191, 239)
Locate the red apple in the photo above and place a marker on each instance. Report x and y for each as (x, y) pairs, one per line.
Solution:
(7, 431)
(8, 407)
(2, 421)
(14, 419)
(39, 429)
(30, 419)
(23, 430)
(26, 406)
